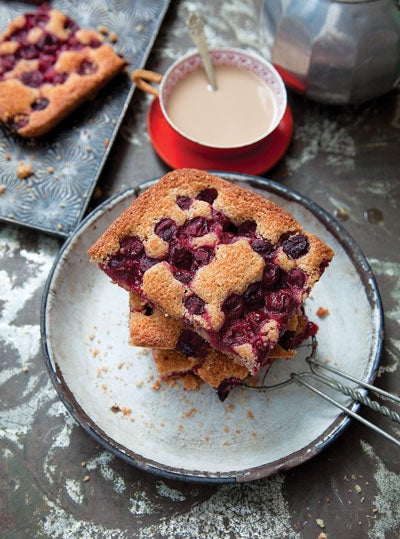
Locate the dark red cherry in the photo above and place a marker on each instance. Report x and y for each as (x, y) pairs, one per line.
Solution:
(295, 246)
(233, 306)
(247, 228)
(7, 62)
(208, 195)
(87, 68)
(196, 227)
(181, 258)
(254, 295)
(203, 255)
(166, 229)
(191, 344)
(280, 301)
(194, 304)
(296, 277)
(131, 246)
(34, 79)
(262, 247)
(184, 202)
(271, 275)
(226, 386)
(40, 104)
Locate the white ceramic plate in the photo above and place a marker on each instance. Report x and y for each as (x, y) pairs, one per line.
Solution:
(108, 385)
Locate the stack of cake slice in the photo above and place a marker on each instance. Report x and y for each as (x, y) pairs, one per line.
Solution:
(217, 276)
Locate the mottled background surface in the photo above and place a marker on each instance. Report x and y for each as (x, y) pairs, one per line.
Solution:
(56, 482)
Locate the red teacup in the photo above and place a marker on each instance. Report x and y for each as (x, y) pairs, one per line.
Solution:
(184, 94)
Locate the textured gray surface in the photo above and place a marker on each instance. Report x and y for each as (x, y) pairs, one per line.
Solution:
(56, 482)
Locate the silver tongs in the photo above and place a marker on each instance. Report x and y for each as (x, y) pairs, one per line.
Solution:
(306, 379)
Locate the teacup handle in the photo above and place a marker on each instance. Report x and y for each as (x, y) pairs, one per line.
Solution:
(142, 78)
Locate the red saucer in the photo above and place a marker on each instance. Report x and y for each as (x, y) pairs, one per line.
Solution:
(177, 152)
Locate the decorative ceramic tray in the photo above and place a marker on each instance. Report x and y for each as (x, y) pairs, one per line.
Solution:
(67, 162)
(108, 385)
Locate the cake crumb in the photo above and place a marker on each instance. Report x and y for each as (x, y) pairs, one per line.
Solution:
(156, 386)
(86, 478)
(320, 522)
(83, 464)
(250, 414)
(357, 488)
(322, 312)
(190, 383)
(2, 189)
(115, 408)
(50, 170)
(322, 535)
(106, 142)
(24, 170)
(113, 37)
(102, 29)
(189, 413)
(7, 156)
(125, 410)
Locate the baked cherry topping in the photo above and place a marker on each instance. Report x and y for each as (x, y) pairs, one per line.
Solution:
(291, 340)
(247, 228)
(208, 195)
(194, 304)
(191, 344)
(184, 202)
(46, 50)
(87, 68)
(196, 227)
(262, 247)
(166, 229)
(271, 275)
(32, 78)
(18, 121)
(226, 386)
(274, 298)
(296, 277)
(295, 245)
(233, 306)
(40, 104)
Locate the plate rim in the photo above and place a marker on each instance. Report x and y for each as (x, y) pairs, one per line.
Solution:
(292, 460)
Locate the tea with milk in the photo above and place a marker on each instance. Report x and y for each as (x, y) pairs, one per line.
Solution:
(239, 112)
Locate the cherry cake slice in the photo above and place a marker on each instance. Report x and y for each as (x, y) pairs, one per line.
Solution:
(224, 260)
(179, 351)
(48, 67)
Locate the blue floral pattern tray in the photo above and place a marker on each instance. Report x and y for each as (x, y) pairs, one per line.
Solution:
(67, 162)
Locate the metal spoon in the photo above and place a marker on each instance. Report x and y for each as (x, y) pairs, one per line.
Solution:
(196, 30)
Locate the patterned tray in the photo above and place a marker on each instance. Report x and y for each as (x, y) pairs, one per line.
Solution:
(67, 162)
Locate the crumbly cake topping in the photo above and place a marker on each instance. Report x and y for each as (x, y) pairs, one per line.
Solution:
(49, 66)
(241, 288)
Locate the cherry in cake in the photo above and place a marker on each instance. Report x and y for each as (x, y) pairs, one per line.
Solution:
(48, 67)
(228, 263)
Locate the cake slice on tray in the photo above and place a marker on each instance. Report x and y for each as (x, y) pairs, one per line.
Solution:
(228, 263)
(48, 67)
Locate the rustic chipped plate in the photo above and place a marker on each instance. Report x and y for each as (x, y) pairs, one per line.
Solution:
(67, 162)
(109, 386)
